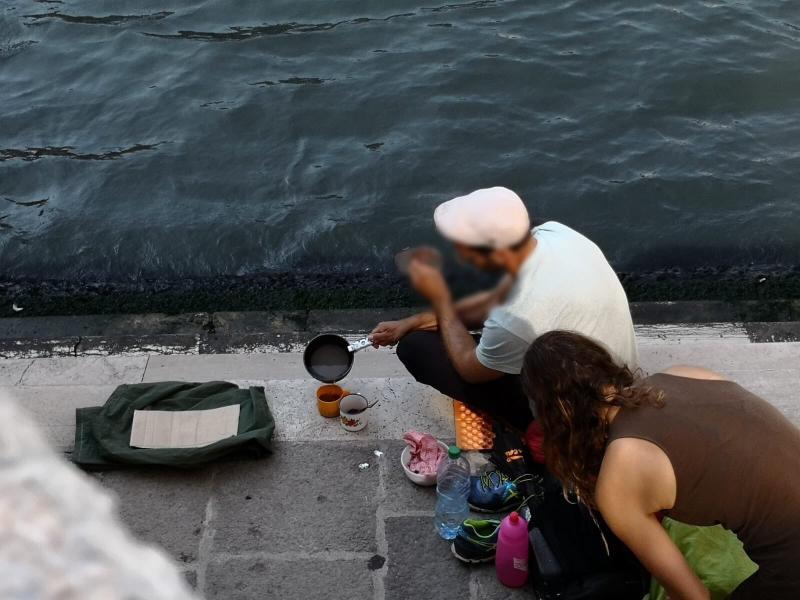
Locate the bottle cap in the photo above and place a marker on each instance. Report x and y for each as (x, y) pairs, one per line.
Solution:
(514, 518)
(454, 452)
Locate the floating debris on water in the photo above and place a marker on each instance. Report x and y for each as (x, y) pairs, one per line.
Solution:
(31, 154)
(41, 202)
(104, 20)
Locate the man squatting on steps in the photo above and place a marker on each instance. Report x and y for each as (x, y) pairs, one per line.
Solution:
(553, 278)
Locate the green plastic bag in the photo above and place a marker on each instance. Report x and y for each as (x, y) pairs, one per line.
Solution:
(102, 434)
(714, 553)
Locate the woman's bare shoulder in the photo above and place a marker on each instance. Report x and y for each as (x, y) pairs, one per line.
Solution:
(636, 470)
(693, 372)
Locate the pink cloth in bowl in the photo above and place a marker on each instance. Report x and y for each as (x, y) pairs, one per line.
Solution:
(426, 453)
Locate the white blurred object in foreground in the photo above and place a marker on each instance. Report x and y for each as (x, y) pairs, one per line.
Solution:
(60, 537)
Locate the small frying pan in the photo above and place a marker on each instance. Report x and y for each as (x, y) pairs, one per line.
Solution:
(329, 358)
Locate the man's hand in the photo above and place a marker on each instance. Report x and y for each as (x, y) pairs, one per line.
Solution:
(389, 333)
(429, 282)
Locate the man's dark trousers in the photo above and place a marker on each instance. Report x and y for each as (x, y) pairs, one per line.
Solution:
(424, 355)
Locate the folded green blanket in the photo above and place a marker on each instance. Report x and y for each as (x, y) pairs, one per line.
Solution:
(102, 434)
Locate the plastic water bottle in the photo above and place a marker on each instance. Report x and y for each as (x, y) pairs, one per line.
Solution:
(511, 560)
(452, 490)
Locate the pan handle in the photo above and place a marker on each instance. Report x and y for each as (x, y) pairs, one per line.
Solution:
(359, 345)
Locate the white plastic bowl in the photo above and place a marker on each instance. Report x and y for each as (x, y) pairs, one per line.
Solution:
(425, 480)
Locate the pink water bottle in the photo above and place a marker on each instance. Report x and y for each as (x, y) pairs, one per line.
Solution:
(511, 560)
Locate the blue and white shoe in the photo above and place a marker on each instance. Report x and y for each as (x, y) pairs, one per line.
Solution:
(495, 492)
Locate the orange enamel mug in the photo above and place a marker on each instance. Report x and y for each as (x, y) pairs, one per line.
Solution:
(328, 397)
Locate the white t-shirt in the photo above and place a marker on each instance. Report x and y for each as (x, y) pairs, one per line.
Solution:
(565, 284)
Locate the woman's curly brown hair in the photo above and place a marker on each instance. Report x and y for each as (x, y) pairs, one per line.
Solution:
(571, 379)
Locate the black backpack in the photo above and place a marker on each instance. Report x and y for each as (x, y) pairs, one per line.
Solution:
(574, 555)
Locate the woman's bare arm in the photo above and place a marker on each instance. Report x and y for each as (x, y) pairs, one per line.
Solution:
(634, 484)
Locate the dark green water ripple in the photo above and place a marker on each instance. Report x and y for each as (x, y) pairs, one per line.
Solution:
(197, 139)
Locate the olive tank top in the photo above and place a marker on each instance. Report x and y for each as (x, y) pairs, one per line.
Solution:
(736, 457)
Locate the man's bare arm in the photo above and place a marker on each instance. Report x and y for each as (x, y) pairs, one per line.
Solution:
(460, 345)
(472, 311)
(458, 342)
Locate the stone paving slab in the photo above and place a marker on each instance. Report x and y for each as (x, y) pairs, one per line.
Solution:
(254, 322)
(780, 388)
(305, 497)
(53, 407)
(11, 370)
(210, 367)
(56, 404)
(401, 494)
(407, 405)
(787, 331)
(99, 370)
(485, 586)
(191, 578)
(403, 404)
(215, 333)
(100, 325)
(355, 320)
(771, 370)
(721, 356)
(131, 345)
(306, 521)
(681, 333)
(261, 365)
(60, 437)
(163, 506)
(308, 578)
(420, 564)
(86, 370)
